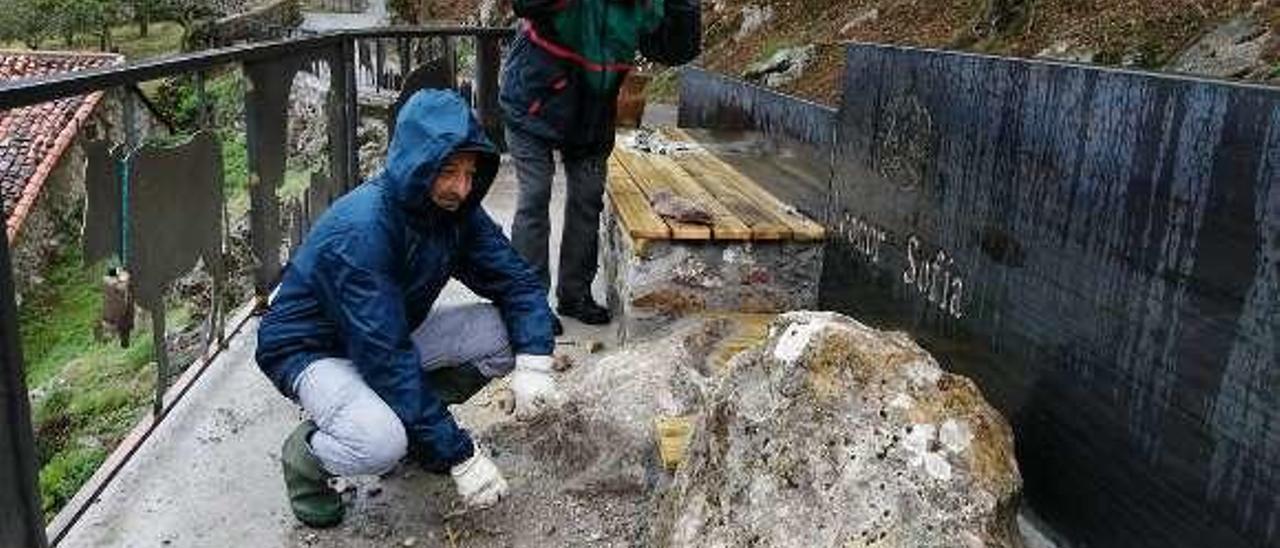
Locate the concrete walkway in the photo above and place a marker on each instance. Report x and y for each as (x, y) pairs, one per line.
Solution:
(210, 474)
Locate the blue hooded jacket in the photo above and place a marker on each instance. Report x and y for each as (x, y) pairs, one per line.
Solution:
(375, 262)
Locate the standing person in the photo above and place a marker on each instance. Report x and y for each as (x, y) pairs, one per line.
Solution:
(559, 93)
(354, 337)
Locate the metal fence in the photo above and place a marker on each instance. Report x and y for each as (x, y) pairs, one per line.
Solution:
(170, 203)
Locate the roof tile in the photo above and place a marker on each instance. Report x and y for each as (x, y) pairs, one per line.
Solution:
(32, 138)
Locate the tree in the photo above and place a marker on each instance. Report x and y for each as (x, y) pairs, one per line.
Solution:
(27, 21)
(187, 13)
(145, 11)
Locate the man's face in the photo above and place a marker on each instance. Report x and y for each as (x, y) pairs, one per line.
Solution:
(453, 184)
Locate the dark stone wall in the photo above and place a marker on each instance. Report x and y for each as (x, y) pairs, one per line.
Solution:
(1100, 250)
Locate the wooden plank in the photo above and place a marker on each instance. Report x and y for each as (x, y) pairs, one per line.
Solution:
(673, 435)
(725, 225)
(765, 224)
(802, 228)
(633, 207)
(650, 181)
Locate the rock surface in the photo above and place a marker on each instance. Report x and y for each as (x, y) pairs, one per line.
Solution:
(653, 284)
(777, 417)
(1237, 49)
(836, 434)
(783, 67)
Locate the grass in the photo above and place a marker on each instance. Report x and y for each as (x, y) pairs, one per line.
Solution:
(235, 173)
(57, 321)
(163, 38)
(87, 394)
(62, 476)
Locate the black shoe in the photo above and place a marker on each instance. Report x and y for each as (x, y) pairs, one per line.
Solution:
(557, 328)
(585, 311)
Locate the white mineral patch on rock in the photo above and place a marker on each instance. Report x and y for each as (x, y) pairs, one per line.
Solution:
(795, 340)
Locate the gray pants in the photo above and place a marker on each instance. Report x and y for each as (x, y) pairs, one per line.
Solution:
(461, 347)
(579, 248)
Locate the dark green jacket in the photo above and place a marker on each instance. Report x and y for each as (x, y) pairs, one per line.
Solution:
(561, 78)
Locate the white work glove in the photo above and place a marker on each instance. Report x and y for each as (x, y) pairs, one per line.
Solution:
(532, 385)
(479, 483)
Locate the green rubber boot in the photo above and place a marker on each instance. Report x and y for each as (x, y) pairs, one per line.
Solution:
(313, 501)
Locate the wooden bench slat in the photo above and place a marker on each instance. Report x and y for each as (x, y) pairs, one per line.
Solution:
(725, 224)
(650, 181)
(802, 228)
(665, 173)
(633, 207)
(765, 225)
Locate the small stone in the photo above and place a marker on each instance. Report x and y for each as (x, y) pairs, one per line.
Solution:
(341, 485)
(505, 400)
(375, 490)
(311, 538)
(595, 347)
(562, 363)
(411, 541)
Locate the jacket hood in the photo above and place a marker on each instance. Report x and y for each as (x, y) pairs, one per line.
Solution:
(432, 125)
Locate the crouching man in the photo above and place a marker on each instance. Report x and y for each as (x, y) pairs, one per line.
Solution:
(352, 334)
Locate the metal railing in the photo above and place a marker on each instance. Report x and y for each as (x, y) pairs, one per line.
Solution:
(387, 61)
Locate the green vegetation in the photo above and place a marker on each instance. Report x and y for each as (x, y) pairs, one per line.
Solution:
(164, 38)
(137, 28)
(86, 394)
(63, 476)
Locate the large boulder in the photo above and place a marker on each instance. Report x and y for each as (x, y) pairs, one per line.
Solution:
(836, 434)
(809, 430)
(602, 436)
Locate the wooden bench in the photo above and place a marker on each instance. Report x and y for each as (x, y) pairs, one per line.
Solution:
(758, 255)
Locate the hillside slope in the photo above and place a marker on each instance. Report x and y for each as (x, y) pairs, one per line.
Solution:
(1229, 38)
(1223, 38)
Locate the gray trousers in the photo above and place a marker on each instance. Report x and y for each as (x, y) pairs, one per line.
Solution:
(580, 245)
(461, 347)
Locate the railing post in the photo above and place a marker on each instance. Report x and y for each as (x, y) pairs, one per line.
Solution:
(344, 166)
(488, 60)
(379, 64)
(351, 104)
(266, 132)
(22, 519)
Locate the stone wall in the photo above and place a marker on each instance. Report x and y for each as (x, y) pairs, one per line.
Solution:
(266, 21)
(652, 283)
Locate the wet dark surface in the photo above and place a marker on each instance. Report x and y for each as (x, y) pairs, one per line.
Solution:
(1099, 250)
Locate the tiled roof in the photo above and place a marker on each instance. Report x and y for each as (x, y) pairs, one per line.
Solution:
(32, 139)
